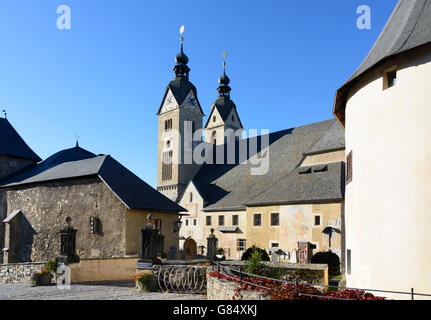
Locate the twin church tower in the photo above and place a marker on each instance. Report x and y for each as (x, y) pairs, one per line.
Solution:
(180, 114)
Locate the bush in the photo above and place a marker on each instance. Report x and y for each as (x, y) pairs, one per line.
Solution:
(247, 254)
(329, 258)
(283, 291)
(51, 266)
(254, 263)
(220, 251)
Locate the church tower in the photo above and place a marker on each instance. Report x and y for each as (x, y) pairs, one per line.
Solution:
(180, 115)
(224, 119)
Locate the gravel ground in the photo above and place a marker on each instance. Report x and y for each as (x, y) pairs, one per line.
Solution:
(97, 291)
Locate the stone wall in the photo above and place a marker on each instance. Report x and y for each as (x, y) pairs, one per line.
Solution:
(19, 272)
(313, 274)
(221, 289)
(45, 207)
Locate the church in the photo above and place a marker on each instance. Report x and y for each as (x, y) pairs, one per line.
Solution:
(108, 206)
(298, 196)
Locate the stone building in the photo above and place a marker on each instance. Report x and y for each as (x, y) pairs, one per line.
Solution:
(385, 108)
(302, 188)
(107, 203)
(15, 155)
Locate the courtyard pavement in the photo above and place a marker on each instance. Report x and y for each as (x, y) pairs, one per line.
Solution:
(96, 291)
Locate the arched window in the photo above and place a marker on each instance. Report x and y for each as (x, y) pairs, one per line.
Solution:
(168, 125)
(214, 118)
(168, 144)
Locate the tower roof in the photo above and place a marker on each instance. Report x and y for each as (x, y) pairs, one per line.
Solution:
(11, 143)
(408, 27)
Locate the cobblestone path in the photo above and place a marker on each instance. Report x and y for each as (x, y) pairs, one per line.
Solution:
(99, 291)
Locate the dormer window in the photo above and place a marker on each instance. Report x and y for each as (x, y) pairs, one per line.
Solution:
(389, 79)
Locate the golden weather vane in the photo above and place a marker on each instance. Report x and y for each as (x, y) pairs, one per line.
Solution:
(181, 32)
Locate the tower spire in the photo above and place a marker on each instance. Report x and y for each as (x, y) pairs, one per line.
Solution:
(181, 69)
(224, 89)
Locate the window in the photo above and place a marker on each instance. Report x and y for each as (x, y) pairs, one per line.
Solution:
(274, 245)
(389, 79)
(158, 224)
(233, 118)
(349, 169)
(191, 197)
(187, 222)
(214, 137)
(194, 222)
(241, 244)
(235, 220)
(221, 220)
(168, 125)
(209, 221)
(317, 220)
(257, 219)
(168, 144)
(214, 118)
(95, 226)
(275, 219)
(167, 166)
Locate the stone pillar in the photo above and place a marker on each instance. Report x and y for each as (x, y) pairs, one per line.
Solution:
(305, 251)
(149, 246)
(68, 244)
(212, 242)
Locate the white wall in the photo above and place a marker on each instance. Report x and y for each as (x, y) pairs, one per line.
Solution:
(388, 203)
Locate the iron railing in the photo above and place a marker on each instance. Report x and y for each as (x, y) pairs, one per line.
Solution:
(237, 274)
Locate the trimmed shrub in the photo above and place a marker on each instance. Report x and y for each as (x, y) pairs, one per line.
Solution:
(247, 254)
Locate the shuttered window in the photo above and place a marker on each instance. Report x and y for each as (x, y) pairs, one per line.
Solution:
(349, 168)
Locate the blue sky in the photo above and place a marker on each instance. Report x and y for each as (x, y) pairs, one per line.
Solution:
(104, 79)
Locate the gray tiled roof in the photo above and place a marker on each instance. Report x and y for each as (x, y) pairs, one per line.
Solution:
(305, 184)
(332, 140)
(408, 27)
(11, 144)
(230, 186)
(78, 163)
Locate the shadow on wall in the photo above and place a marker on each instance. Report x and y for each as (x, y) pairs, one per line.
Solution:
(21, 239)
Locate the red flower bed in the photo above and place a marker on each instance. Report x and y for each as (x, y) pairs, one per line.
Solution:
(283, 291)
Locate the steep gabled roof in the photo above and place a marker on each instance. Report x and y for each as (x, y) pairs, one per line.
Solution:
(79, 163)
(180, 88)
(11, 144)
(408, 27)
(231, 186)
(224, 106)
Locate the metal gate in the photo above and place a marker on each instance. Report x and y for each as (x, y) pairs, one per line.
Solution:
(182, 279)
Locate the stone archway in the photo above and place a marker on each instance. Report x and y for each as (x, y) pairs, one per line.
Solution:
(190, 249)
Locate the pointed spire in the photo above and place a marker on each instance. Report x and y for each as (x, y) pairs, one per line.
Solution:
(224, 89)
(77, 141)
(181, 69)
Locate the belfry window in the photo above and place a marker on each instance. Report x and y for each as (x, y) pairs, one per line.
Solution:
(168, 125)
(191, 197)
